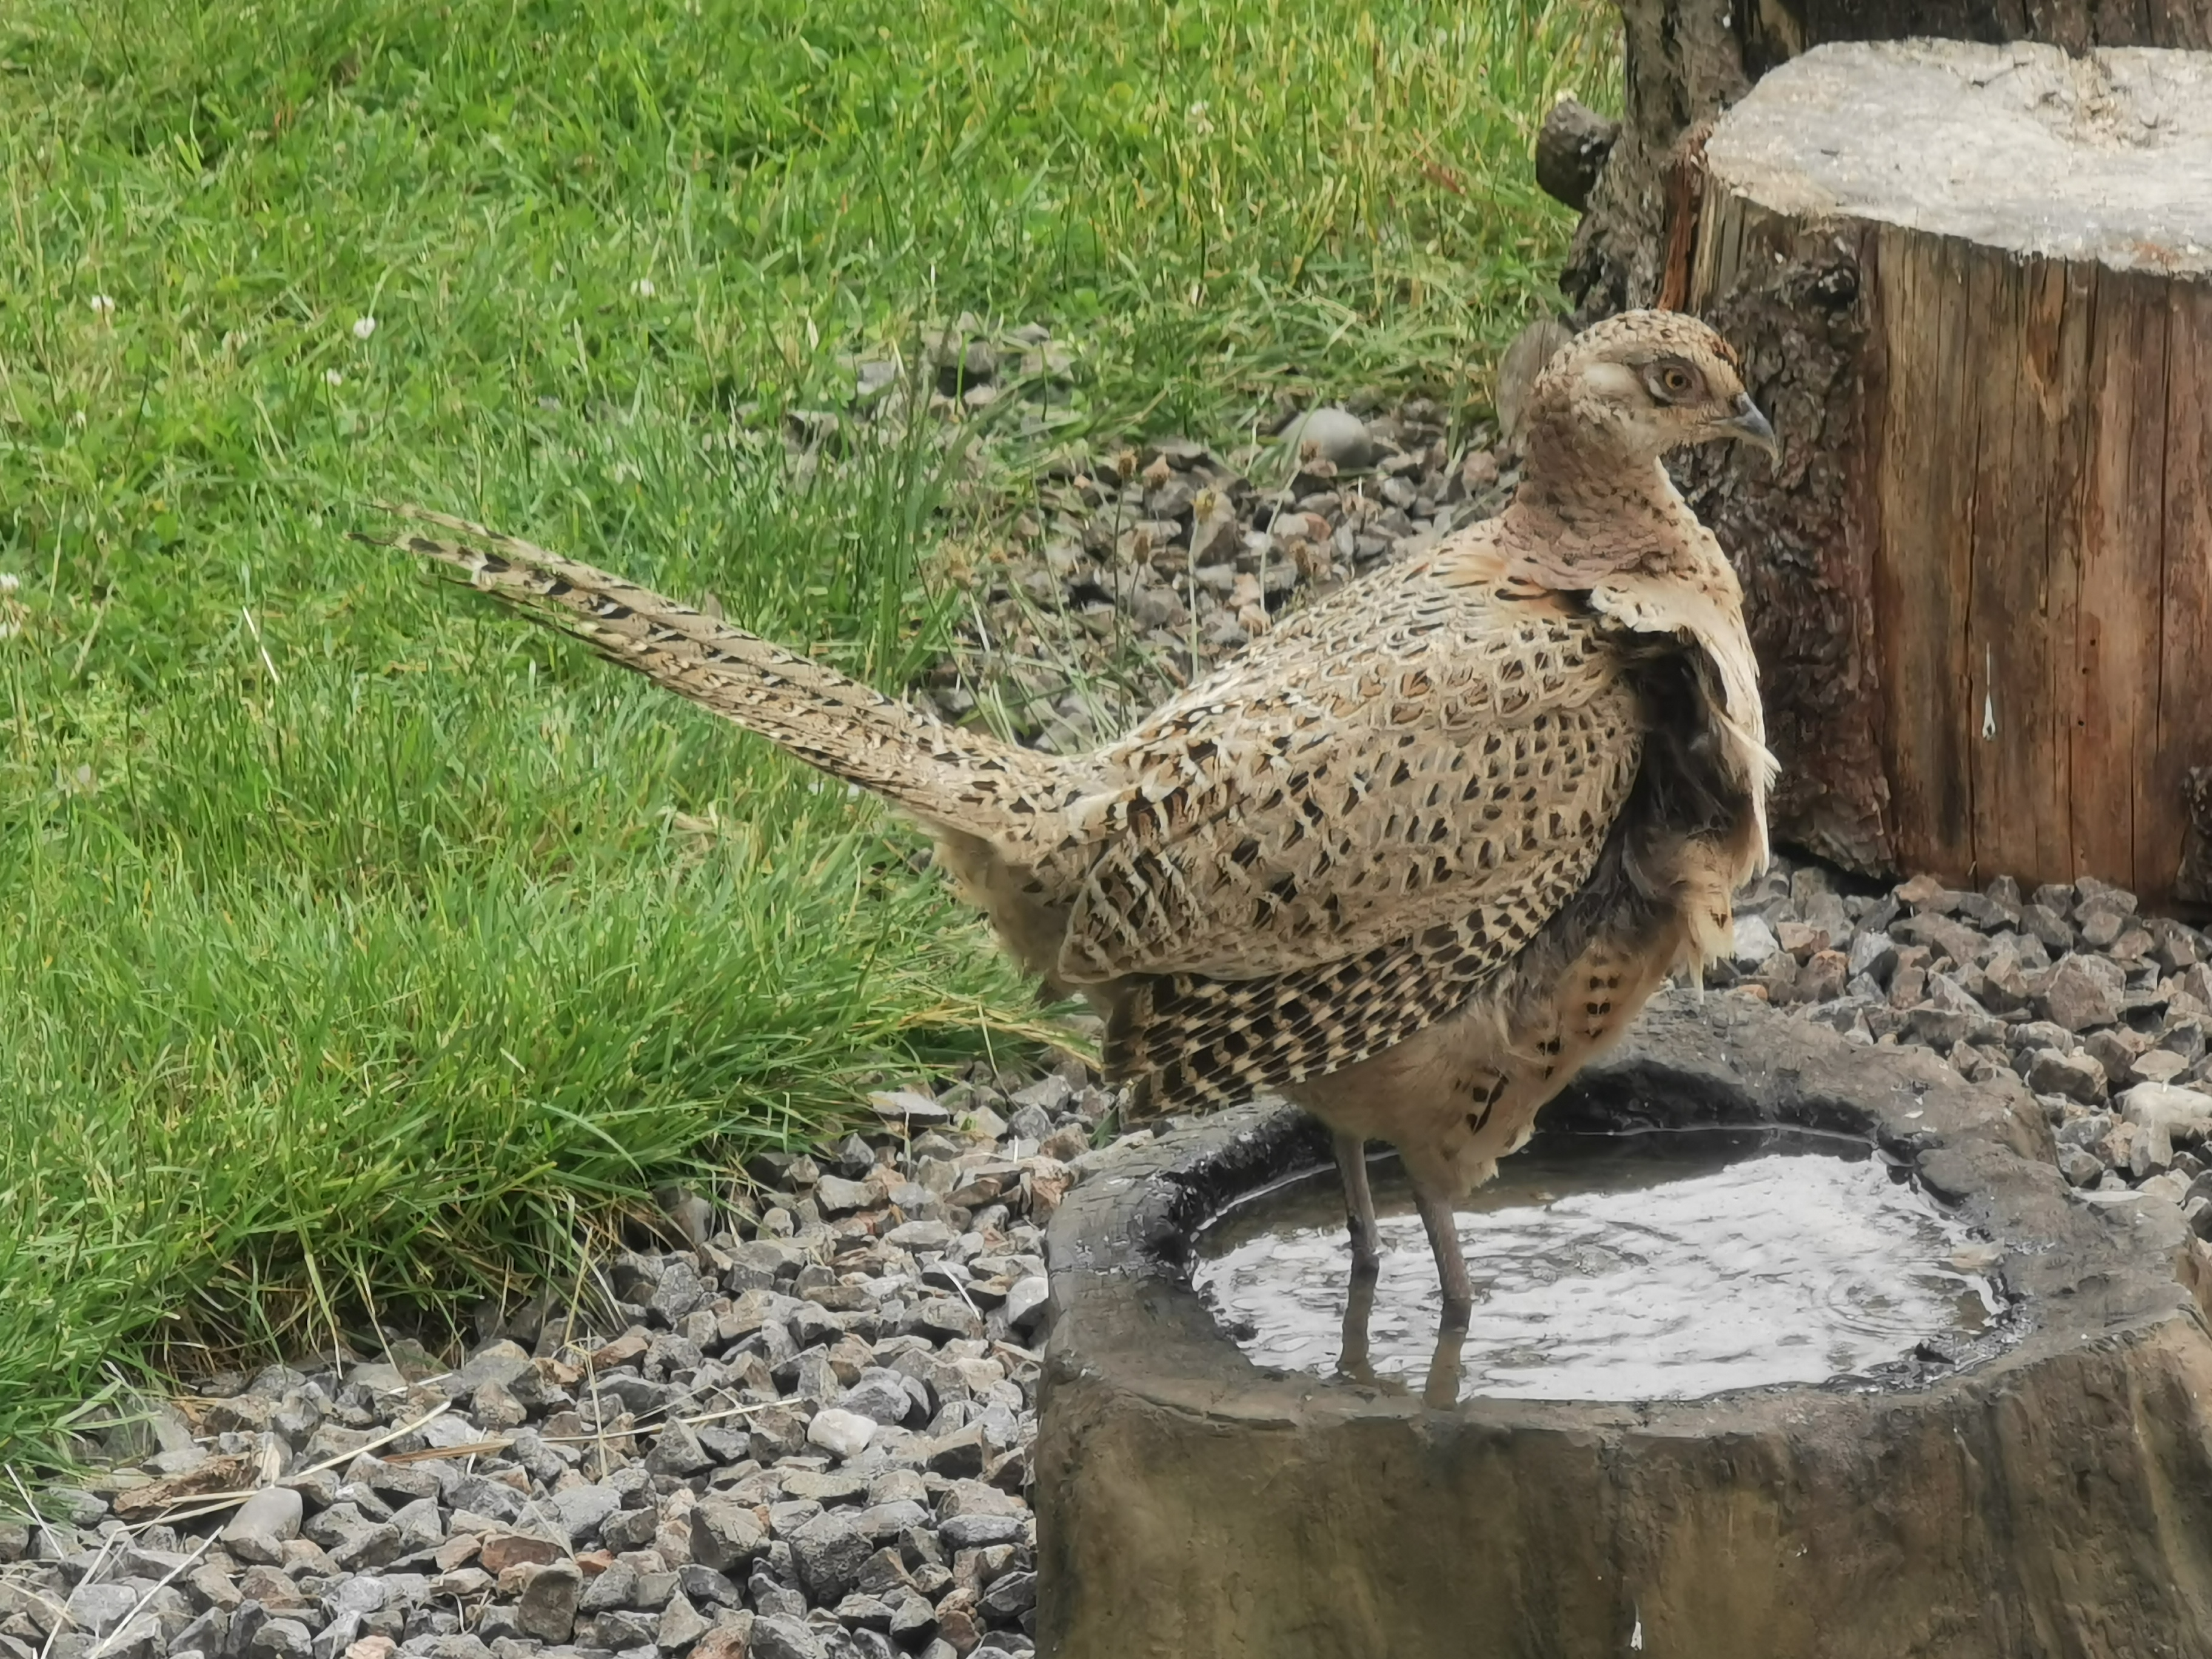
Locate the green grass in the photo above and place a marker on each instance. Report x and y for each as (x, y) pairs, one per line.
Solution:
(352, 940)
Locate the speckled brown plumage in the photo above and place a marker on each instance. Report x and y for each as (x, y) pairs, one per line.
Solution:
(1416, 853)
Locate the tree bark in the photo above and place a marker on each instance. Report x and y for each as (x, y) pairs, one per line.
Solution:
(1973, 288)
(1571, 151)
(2195, 886)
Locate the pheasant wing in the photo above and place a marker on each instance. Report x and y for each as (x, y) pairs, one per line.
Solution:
(1363, 775)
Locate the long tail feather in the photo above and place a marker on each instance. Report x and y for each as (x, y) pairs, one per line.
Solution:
(947, 774)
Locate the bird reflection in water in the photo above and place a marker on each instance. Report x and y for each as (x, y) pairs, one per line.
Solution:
(1446, 1370)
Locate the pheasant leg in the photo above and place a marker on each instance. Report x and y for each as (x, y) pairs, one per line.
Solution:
(1358, 1205)
(1442, 1228)
(1354, 1360)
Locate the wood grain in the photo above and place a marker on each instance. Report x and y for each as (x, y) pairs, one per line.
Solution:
(2064, 396)
(1923, 568)
(2115, 720)
(2022, 645)
(2007, 666)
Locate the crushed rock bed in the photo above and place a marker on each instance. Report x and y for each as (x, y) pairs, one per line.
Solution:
(2103, 1012)
(808, 1438)
(807, 1435)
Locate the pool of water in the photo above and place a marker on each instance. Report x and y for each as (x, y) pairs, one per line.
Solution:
(1665, 1265)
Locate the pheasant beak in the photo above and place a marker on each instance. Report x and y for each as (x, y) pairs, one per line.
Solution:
(1751, 426)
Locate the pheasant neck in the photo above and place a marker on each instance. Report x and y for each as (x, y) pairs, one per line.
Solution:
(1578, 519)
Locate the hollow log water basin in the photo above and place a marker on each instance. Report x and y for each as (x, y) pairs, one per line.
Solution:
(1661, 1265)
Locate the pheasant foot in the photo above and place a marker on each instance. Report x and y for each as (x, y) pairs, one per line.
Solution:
(1441, 1391)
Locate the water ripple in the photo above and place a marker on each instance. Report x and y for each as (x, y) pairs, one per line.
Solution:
(1656, 1285)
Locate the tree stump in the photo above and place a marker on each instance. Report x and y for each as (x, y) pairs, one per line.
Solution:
(1973, 289)
(1687, 60)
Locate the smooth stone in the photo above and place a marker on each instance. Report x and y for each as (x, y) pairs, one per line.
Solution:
(842, 1433)
(1336, 435)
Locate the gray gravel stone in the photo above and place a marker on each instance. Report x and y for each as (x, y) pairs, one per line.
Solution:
(923, 1235)
(364, 1546)
(942, 1319)
(2168, 1187)
(1051, 1095)
(826, 1487)
(1755, 943)
(2077, 997)
(879, 1396)
(483, 1496)
(1010, 1595)
(2156, 1066)
(581, 1508)
(879, 1522)
(908, 1108)
(1031, 1124)
(496, 1362)
(681, 1624)
(610, 1591)
(678, 1453)
(968, 1531)
(828, 1553)
(2076, 1076)
(258, 1531)
(621, 1631)
(960, 1454)
(725, 1536)
(2081, 1168)
(1938, 1028)
(838, 1196)
(1026, 1302)
(1873, 954)
(415, 1528)
(680, 1291)
(281, 1638)
(630, 1530)
(101, 1608)
(548, 1607)
(707, 1588)
(778, 1434)
(782, 1639)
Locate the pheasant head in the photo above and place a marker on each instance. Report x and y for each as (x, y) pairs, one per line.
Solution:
(1623, 393)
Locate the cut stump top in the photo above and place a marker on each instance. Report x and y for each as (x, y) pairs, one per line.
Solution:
(2105, 158)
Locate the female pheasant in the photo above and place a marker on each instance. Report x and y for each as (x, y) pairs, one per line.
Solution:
(1411, 858)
